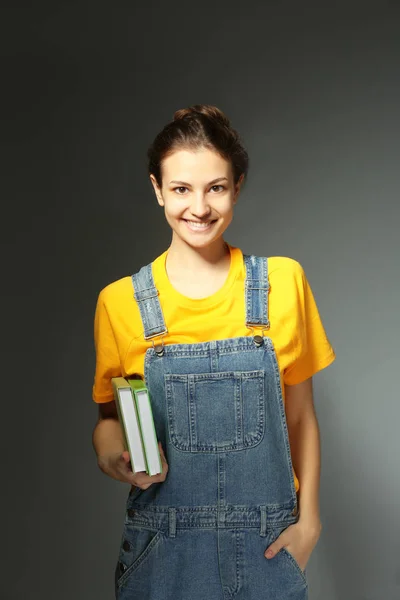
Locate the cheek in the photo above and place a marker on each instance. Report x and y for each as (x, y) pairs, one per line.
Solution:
(176, 209)
(227, 210)
(172, 216)
(173, 212)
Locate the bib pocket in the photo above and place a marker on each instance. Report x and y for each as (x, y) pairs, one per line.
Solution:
(215, 412)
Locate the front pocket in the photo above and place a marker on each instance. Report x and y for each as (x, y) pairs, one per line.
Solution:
(215, 412)
(294, 562)
(136, 545)
(285, 554)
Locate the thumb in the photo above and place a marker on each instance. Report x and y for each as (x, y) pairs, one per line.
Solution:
(274, 548)
(125, 456)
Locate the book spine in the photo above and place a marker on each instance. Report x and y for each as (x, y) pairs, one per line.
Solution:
(153, 432)
(142, 436)
(123, 426)
(121, 420)
(139, 428)
(138, 385)
(155, 435)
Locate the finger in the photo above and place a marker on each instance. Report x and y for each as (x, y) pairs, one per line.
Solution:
(161, 452)
(142, 478)
(164, 464)
(158, 477)
(274, 548)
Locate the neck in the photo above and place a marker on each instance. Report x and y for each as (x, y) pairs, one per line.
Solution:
(182, 257)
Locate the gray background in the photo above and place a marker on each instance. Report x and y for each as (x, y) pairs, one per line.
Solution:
(314, 90)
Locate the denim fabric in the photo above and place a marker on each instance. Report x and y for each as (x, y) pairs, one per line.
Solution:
(229, 492)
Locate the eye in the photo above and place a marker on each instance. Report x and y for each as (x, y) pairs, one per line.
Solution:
(180, 188)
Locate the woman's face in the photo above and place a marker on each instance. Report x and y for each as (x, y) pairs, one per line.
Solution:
(198, 194)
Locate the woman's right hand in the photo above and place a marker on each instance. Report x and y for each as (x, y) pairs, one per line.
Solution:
(118, 467)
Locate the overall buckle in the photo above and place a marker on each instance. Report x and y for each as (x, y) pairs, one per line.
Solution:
(258, 339)
(159, 348)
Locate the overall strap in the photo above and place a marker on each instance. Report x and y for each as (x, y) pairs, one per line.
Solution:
(146, 296)
(256, 290)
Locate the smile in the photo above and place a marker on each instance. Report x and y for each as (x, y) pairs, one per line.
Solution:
(195, 225)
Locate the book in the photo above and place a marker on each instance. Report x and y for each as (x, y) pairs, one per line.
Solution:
(128, 417)
(146, 424)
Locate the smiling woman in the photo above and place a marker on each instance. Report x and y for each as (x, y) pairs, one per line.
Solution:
(197, 165)
(199, 210)
(227, 344)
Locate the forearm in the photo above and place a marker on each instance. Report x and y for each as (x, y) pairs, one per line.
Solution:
(306, 457)
(107, 438)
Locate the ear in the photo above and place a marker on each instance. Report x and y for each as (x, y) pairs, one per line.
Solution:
(238, 185)
(157, 190)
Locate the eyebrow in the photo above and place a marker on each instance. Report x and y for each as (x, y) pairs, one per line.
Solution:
(210, 183)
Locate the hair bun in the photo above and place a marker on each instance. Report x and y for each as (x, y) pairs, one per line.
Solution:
(207, 110)
(198, 127)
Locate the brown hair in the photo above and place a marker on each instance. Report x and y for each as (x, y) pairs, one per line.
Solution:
(199, 126)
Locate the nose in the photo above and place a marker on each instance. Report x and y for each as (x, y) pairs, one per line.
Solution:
(199, 206)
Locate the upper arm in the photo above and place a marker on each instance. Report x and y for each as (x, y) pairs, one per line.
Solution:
(311, 349)
(299, 401)
(108, 362)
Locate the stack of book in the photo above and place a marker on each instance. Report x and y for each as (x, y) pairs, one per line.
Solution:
(135, 415)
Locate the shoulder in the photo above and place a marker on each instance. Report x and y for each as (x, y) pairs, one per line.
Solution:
(287, 281)
(284, 267)
(119, 293)
(116, 291)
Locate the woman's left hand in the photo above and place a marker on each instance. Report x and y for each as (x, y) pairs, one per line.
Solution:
(299, 539)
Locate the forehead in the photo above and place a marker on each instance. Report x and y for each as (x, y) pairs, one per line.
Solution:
(200, 165)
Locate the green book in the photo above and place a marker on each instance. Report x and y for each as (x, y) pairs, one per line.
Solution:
(146, 424)
(128, 417)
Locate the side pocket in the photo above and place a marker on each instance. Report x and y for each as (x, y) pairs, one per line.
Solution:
(136, 546)
(292, 559)
(286, 555)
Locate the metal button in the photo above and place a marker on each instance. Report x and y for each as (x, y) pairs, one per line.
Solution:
(258, 340)
(295, 510)
(122, 567)
(126, 546)
(159, 349)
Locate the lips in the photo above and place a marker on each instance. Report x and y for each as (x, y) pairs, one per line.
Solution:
(199, 225)
(200, 222)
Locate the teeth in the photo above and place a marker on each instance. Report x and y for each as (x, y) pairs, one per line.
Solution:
(199, 225)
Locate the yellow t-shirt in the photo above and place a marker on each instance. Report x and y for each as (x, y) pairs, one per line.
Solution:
(299, 338)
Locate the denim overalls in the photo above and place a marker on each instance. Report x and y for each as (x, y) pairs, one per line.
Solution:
(229, 491)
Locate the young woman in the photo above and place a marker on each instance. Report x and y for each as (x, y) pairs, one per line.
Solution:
(227, 344)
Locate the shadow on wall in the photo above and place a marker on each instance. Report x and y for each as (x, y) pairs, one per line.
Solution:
(357, 496)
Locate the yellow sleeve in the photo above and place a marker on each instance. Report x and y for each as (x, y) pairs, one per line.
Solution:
(108, 362)
(312, 350)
